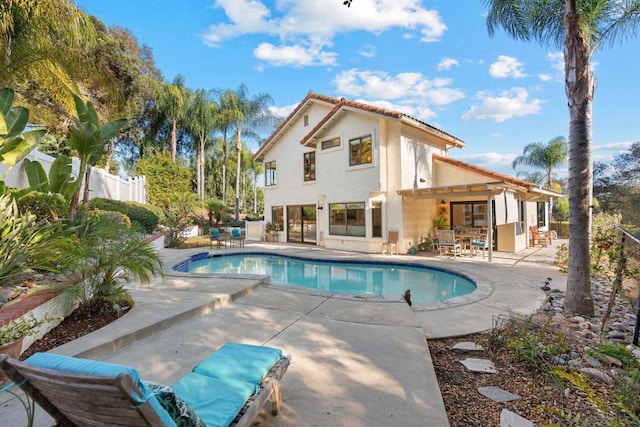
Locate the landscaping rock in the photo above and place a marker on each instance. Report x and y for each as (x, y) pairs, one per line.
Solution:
(511, 419)
(466, 346)
(479, 365)
(497, 394)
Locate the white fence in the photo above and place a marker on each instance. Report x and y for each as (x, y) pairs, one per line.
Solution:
(101, 183)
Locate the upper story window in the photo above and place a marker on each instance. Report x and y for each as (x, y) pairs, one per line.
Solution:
(360, 150)
(305, 119)
(330, 143)
(270, 173)
(310, 166)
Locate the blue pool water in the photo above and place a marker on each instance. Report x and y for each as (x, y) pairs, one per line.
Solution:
(426, 284)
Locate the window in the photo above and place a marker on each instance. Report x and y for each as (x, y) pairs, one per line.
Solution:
(541, 208)
(376, 219)
(360, 150)
(270, 176)
(306, 120)
(310, 166)
(347, 219)
(330, 143)
(520, 223)
(277, 217)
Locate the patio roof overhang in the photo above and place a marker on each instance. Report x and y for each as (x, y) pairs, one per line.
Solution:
(485, 189)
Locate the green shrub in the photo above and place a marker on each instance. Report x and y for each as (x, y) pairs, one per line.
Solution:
(142, 215)
(117, 216)
(138, 213)
(44, 206)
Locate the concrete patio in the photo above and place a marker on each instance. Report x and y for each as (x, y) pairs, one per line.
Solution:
(355, 361)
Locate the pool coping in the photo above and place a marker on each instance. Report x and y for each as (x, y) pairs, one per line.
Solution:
(483, 288)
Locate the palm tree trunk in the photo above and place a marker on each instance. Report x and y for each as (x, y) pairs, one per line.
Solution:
(239, 151)
(87, 175)
(579, 87)
(224, 167)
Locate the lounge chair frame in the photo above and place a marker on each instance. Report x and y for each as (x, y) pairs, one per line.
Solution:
(101, 401)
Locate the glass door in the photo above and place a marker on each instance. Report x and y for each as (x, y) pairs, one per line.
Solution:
(301, 224)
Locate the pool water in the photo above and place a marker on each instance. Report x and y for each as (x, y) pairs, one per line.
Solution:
(426, 284)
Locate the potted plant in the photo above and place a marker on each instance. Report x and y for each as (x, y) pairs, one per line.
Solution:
(441, 222)
(412, 248)
(425, 243)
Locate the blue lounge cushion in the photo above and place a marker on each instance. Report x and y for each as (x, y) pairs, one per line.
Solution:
(216, 401)
(181, 413)
(241, 362)
(77, 365)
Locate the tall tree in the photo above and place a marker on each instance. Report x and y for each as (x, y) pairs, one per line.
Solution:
(174, 101)
(546, 157)
(581, 26)
(32, 59)
(228, 115)
(202, 123)
(252, 114)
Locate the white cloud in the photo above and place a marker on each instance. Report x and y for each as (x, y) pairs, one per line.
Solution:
(507, 105)
(493, 161)
(557, 61)
(544, 77)
(447, 63)
(368, 51)
(299, 22)
(297, 56)
(617, 146)
(410, 86)
(418, 111)
(283, 111)
(505, 67)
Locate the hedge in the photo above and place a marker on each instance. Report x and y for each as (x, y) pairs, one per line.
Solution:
(137, 212)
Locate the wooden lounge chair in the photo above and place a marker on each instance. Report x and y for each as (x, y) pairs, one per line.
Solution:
(230, 387)
(539, 237)
(449, 243)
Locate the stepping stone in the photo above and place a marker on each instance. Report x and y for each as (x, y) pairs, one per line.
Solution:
(511, 419)
(479, 365)
(464, 347)
(497, 394)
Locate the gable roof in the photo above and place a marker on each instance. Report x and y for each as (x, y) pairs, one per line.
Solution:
(339, 106)
(303, 105)
(347, 105)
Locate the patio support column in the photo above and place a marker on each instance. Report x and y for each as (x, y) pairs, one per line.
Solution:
(490, 227)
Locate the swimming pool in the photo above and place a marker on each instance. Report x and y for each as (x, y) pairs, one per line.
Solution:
(427, 284)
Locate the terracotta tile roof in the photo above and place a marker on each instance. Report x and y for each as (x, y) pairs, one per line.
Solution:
(310, 97)
(486, 172)
(343, 102)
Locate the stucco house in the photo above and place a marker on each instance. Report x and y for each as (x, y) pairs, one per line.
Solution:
(342, 174)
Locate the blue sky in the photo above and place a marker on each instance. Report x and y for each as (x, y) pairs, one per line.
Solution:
(432, 60)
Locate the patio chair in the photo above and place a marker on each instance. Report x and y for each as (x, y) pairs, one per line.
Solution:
(479, 243)
(539, 237)
(230, 387)
(215, 236)
(449, 243)
(236, 236)
(391, 245)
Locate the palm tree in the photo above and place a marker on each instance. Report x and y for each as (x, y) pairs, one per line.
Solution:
(545, 157)
(252, 113)
(31, 58)
(202, 122)
(174, 103)
(228, 115)
(581, 27)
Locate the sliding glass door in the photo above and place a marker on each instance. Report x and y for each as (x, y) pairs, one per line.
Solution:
(301, 224)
